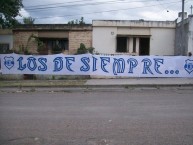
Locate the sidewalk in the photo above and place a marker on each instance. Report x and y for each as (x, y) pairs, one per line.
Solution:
(142, 82)
(133, 82)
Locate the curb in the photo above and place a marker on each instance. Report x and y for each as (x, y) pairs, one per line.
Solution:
(91, 88)
(101, 86)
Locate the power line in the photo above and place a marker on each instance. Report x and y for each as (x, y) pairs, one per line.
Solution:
(56, 3)
(76, 2)
(167, 6)
(160, 4)
(103, 11)
(82, 4)
(48, 6)
(44, 5)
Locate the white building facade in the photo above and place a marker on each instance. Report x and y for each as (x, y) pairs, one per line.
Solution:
(134, 37)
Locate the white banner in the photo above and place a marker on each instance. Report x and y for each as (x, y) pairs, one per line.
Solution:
(87, 64)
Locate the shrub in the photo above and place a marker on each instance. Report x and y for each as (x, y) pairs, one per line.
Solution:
(84, 50)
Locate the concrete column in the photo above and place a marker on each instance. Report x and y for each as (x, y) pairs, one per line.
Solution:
(131, 44)
(137, 46)
(128, 42)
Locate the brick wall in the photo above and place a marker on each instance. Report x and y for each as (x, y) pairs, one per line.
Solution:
(21, 38)
(77, 37)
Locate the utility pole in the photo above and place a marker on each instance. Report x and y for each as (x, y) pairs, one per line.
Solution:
(191, 9)
(183, 45)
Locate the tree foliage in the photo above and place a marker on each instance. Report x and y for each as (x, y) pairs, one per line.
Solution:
(82, 49)
(28, 20)
(9, 9)
(77, 22)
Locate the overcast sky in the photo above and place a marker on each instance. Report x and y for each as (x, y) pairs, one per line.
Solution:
(62, 11)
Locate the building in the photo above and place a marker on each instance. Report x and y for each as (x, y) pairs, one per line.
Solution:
(51, 38)
(184, 41)
(130, 37)
(134, 37)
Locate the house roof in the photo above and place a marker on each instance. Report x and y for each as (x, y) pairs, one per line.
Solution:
(134, 23)
(54, 27)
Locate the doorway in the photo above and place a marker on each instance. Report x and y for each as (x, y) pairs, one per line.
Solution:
(144, 44)
(121, 44)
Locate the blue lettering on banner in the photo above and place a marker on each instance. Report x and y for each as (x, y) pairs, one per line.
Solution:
(118, 66)
(104, 63)
(58, 64)
(21, 66)
(158, 61)
(86, 66)
(68, 63)
(146, 68)
(132, 64)
(31, 63)
(43, 66)
(94, 64)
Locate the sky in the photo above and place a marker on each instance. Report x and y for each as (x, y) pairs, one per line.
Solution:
(63, 11)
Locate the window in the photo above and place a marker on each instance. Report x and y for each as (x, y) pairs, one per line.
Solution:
(4, 48)
(121, 44)
(55, 45)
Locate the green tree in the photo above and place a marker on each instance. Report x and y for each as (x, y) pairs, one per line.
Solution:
(81, 22)
(28, 20)
(82, 49)
(71, 22)
(77, 22)
(9, 9)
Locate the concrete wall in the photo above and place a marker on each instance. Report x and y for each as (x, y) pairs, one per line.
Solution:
(162, 41)
(190, 35)
(104, 39)
(133, 31)
(162, 35)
